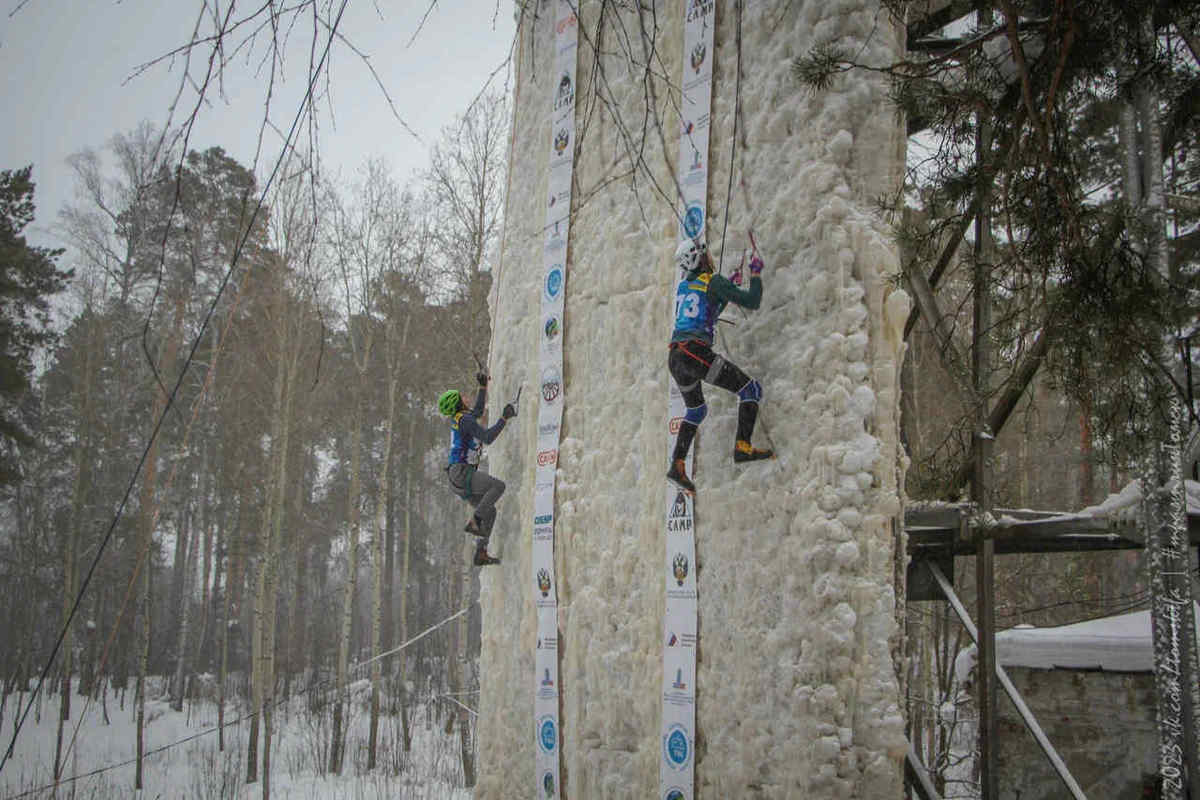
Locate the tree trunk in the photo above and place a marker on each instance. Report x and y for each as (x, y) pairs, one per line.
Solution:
(1164, 506)
(405, 562)
(83, 437)
(149, 514)
(183, 605)
(381, 562)
(982, 441)
(337, 740)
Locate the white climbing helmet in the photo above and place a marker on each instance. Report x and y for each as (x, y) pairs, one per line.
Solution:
(688, 254)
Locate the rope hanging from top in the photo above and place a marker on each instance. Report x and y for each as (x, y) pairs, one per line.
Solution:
(737, 106)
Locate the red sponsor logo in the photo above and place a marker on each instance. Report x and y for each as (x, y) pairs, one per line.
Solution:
(547, 457)
(675, 423)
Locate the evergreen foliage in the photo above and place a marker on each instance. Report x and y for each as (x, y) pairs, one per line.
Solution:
(29, 277)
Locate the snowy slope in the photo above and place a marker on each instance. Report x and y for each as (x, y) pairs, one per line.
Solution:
(797, 690)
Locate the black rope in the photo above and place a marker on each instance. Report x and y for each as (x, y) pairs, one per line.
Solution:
(304, 103)
(737, 105)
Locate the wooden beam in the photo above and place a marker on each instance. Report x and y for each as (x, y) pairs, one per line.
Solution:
(930, 15)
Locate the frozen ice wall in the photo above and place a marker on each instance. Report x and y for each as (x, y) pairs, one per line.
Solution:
(798, 558)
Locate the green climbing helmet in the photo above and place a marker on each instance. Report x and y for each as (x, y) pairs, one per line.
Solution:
(448, 401)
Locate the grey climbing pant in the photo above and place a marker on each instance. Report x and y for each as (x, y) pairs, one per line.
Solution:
(480, 490)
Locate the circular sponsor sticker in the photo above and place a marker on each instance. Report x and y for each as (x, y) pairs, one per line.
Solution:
(693, 221)
(547, 734)
(677, 747)
(551, 384)
(674, 793)
(554, 280)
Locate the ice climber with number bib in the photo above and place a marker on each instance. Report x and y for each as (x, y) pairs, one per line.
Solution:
(700, 298)
(467, 437)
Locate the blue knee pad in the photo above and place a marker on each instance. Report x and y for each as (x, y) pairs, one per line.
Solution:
(696, 415)
(751, 392)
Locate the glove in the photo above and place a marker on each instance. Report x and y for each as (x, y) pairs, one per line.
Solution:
(756, 266)
(736, 277)
(509, 411)
(482, 378)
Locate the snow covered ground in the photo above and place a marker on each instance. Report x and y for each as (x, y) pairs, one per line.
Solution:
(184, 761)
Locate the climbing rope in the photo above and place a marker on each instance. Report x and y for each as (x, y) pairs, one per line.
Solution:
(737, 111)
(737, 106)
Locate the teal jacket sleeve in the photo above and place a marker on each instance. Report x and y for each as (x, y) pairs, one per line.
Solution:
(722, 289)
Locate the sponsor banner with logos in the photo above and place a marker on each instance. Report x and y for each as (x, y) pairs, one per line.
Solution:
(678, 732)
(694, 112)
(560, 154)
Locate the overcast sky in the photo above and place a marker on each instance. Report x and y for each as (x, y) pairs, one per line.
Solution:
(68, 85)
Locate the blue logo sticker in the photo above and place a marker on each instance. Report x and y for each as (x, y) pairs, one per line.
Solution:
(547, 734)
(554, 281)
(542, 519)
(674, 793)
(548, 785)
(677, 748)
(693, 221)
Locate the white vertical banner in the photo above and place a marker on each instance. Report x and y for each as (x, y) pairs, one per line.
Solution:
(560, 150)
(678, 733)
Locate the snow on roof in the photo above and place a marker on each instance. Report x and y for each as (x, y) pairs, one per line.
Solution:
(1120, 643)
(1123, 506)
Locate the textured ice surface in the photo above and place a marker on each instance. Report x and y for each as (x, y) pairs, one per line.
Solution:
(797, 694)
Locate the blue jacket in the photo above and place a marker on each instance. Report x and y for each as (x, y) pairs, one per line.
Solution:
(467, 436)
(700, 299)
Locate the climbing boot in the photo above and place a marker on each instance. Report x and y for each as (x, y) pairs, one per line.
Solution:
(482, 559)
(743, 451)
(677, 475)
(472, 527)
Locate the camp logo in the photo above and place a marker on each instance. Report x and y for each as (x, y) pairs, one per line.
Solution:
(679, 567)
(551, 329)
(547, 734)
(554, 280)
(698, 9)
(699, 53)
(673, 425)
(548, 777)
(551, 385)
(693, 221)
(674, 793)
(542, 519)
(679, 520)
(677, 747)
(547, 457)
(565, 95)
(543, 581)
(561, 140)
(678, 683)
